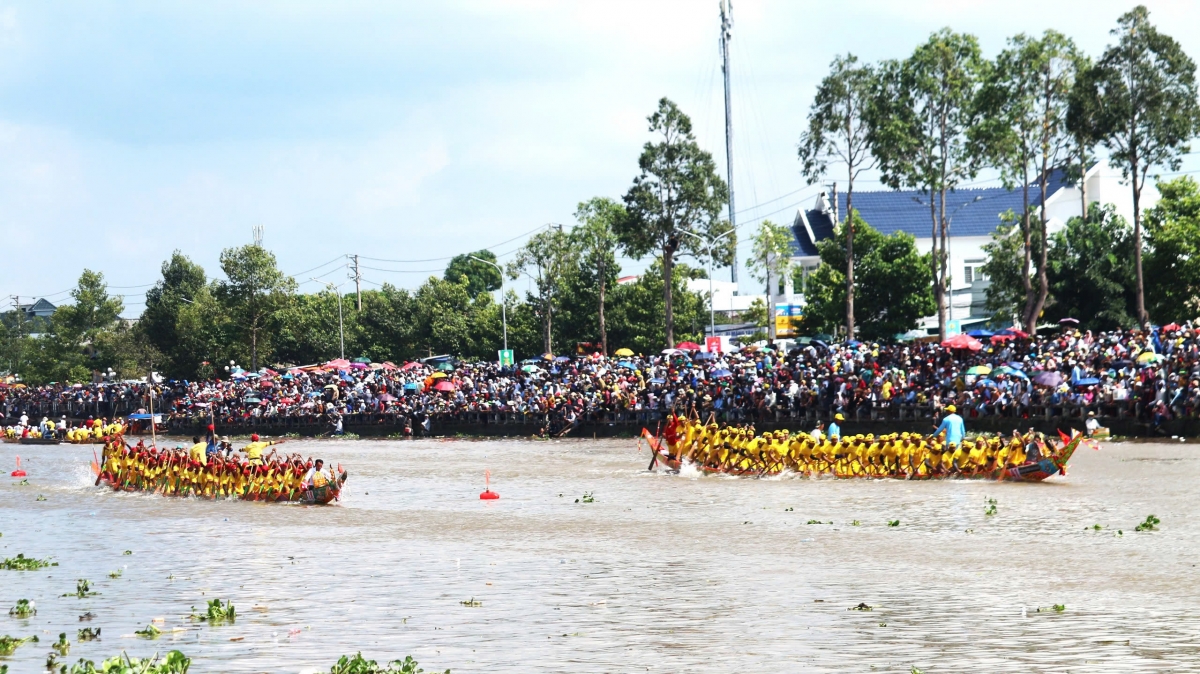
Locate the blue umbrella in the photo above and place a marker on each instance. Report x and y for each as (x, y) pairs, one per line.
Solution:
(562, 359)
(703, 355)
(627, 364)
(411, 386)
(980, 333)
(853, 342)
(721, 373)
(986, 382)
(657, 380)
(1087, 381)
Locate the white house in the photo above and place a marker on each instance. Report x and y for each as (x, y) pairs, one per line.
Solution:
(974, 214)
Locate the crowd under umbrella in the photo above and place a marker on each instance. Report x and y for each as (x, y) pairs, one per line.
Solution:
(979, 369)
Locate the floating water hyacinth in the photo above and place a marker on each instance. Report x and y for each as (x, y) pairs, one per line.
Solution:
(1151, 524)
(23, 609)
(360, 665)
(9, 644)
(216, 613)
(23, 563)
(87, 634)
(175, 662)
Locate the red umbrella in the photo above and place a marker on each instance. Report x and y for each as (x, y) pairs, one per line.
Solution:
(1170, 326)
(1015, 332)
(338, 364)
(688, 346)
(409, 366)
(961, 341)
(389, 365)
(445, 385)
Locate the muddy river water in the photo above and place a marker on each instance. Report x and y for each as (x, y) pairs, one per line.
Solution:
(658, 573)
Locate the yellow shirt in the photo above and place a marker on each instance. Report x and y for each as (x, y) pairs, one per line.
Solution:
(197, 453)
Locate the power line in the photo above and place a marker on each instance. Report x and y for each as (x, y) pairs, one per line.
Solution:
(318, 266)
(450, 257)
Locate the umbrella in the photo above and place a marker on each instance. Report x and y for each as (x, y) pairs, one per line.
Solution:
(359, 366)
(623, 352)
(408, 366)
(671, 352)
(988, 383)
(719, 374)
(980, 333)
(437, 375)
(853, 343)
(658, 380)
(1063, 321)
(1171, 326)
(445, 386)
(627, 364)
(979, 369)
(338, 364)
(688, 346)
(251, 399)
(1014, 332)
(1087, 381)
(1005, 369)
(411, 386)
(1048, 378)
(388, 397)
(530, 368)
(562, 359)
(703, 355)
(1148, 357)
(1001, 338)
(547, 356)
(961, 341)
(389, 365)
(361, 360)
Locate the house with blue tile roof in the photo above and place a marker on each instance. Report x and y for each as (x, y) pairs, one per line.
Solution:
(974, 215)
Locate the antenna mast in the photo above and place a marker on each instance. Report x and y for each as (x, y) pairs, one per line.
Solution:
(726, 35)
(258, 235)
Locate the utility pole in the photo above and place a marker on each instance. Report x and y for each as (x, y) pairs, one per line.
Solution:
(726, 35)
(357, 283)
(20, 333)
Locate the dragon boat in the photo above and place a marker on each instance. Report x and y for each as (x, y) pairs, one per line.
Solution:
(1053, 462)
(173, 473)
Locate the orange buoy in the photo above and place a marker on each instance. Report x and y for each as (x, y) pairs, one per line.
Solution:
(18, 472)
(488, 494)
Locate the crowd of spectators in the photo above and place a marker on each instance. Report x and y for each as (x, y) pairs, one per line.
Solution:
(1154, 376)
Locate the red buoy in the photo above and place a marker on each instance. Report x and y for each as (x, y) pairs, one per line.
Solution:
(18, 472)
(488, 494)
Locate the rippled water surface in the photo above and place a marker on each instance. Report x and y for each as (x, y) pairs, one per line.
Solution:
(661, 573)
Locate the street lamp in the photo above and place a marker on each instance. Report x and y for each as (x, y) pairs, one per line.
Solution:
(503, 311)
(708, 247)
(341, 327)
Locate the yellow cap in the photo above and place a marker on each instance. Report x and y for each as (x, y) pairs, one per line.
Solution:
(951, 408)
(839, 417)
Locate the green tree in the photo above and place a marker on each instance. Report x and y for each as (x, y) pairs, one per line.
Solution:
(919, 120)
(894, 282)
(1173, 252)
(637, 309)
(837, 131)
(69, 349)
(481, 277)
(182, 281)
(771, 262)
(1090, 277)
(1022, 108)
(1141, 103)
(596, 239)
(253, 292)
(1008, 288)
(678, 190)
(552, 258)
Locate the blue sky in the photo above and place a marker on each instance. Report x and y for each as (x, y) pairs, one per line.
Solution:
(408, 131)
